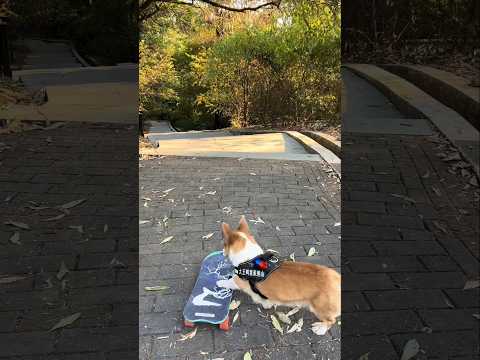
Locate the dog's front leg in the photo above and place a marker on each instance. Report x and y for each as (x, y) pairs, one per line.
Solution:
(229, 284)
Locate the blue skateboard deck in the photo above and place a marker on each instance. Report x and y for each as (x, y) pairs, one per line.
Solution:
(209, 303)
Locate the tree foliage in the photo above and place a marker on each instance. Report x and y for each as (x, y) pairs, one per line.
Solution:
(270, 67)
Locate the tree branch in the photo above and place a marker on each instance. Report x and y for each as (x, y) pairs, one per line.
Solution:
(145, 5)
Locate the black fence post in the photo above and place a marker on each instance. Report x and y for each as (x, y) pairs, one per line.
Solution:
(5, 68)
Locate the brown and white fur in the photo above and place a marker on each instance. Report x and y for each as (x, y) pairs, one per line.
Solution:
(293, 284)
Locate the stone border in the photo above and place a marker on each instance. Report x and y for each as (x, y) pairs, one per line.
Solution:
(77, 56)
(326, 140)
(416, 103)
(450, 89)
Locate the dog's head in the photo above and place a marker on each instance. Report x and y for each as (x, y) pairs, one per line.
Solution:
(239, 245)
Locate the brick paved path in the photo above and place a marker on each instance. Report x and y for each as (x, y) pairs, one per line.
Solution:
(298, 197)
(50, 168)
(406, 257)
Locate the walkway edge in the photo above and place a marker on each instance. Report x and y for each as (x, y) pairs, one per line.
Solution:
(325, 140)
(414, 102)
(451, 90)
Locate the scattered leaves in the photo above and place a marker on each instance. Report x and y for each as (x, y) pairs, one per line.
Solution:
(410, 349)
(71, 204)
(17, 224)
(235, 317)
(292, 256)
(11, 279)
(141, 222)
(168, 190)
(54, 218)
(247, 355)
(167, 239)
(297, 327)
(79, 228)
(105, 228)
(257, 221)
(208, 236)
(15, 238)
(293, 311)
(406, 198)
(211, 193)
(62, 271)
(312, 251)
(471, 284)
(188, 336)
(283, 317)
(234, 304)
(115, 263)
(156, 288)
(439, 226)
(66, 321)
(276, 324)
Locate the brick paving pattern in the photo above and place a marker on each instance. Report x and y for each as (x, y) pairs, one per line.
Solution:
(40, 168)
(410, 229)
(300, 198)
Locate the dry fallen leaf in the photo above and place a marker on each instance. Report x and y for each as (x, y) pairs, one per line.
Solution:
(105, 228)
(208, 236)
(62, 271)
(364, 356)
(312, 251)
(247, 355)
(476, 316)
(234, 304)
(471, 284)
(11, 279)
(54, 218)
(211, 193)
(235, 317)
(293, 311)
(66, 321)
(115, 263)
(156, 288)
(15, 238)
(141, 222)
(190, 335)
(439, 226)
(283, 317)
(17, 224)
(276, 324)
(257, 221)
(168, 190)
(406, 198)
(71, 204)
(79, 228)
(410, 349)
(253, 174)
(292, 256)
(166, 240)
(277, 228)
(296, 327)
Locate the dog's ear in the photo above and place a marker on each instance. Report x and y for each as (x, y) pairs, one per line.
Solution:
(227, 231)
(243, 226)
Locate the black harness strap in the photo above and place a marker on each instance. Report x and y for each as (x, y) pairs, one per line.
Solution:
(257, 270)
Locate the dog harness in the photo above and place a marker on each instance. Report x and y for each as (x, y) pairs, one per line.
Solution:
(257, 270)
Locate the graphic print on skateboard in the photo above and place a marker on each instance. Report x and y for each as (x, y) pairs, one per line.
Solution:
(209, 303)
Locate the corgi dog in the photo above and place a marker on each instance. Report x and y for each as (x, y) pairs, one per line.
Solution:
(292, 284)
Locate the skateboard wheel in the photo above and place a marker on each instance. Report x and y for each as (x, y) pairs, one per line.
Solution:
(188, 324)
(225, 325)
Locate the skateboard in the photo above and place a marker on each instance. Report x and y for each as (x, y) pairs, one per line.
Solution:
(209, 303)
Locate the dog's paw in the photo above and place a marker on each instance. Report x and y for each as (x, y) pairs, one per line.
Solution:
(319, 328)
(223, 284)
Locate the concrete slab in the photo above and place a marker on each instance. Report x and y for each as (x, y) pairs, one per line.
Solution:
(107, 102)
